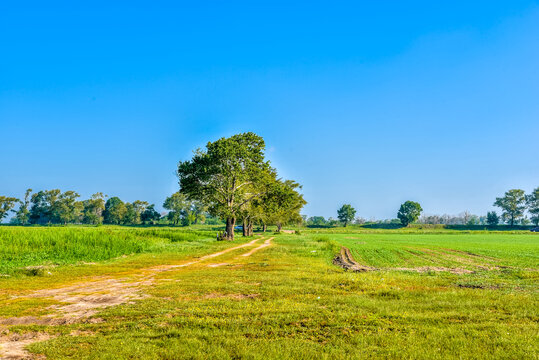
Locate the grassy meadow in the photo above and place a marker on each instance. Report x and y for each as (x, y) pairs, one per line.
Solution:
(285, 301)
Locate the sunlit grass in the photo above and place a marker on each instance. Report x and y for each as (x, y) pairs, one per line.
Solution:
(289, 301)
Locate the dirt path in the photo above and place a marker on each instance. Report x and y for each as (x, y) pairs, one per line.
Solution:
(82, 300)
(247, 254)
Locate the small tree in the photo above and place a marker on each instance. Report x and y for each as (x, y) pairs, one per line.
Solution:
(6, 205)
(532, 201)
(176, 203)
(282, 203)
(513, 205)
(23, 214)
(346, 214)
(409, 212)
(492, 218)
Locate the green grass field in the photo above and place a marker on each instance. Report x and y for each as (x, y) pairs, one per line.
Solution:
(286, 300)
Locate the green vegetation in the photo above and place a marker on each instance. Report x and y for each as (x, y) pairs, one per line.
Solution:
(532, 201)
(289, 301)
(513, 205)
(452, 291)
(346, 214)
(492, 218)
(231, 175)
(22, 247)
(409, 212)
(6, 205)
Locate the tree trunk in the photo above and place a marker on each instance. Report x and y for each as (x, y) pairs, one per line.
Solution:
(230, 223)
(244, 228)
(264, 227)
(279, 227)
(250, 228)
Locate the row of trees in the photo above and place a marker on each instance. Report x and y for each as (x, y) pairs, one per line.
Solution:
(514, 204)
(408, 212)
(57, 207)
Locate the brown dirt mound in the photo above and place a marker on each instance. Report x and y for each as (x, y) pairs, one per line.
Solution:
(346, 261)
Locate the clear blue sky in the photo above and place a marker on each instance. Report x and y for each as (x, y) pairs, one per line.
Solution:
(368, 103)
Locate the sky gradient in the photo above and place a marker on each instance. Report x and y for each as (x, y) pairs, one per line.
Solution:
(367, 103)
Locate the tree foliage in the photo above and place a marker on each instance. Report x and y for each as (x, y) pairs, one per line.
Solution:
(492, 218)
(532, 201)
(6, 205)
(409, 212)
(513, 205)
(227, 176)
(346, 214)
(93, 208)
(22, 215)
(280, 205)
(115, 211)
(150, 215)
(235, 181)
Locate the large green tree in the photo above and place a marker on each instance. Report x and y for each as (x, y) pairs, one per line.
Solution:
(23, 213)
(532, 201)
(115, 211)
(409, 212)
(6, 205)
(513, 205)
(227, 176)
(346, 214)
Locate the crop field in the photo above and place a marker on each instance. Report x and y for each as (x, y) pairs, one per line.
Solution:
(176, 293)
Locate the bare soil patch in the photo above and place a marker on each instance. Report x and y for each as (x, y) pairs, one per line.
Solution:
(12, 345)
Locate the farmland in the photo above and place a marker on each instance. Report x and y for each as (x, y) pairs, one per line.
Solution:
(178, 293)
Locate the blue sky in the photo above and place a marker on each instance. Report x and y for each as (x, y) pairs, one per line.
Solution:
(368, 103)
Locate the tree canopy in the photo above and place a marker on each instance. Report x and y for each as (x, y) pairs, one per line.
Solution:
(346, 214)
(228, 176)
(513, 205)
(532, 201)
(409, 212)
(492, 218)
(6, 205)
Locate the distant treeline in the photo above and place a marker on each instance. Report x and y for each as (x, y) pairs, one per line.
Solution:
(514, 205)
(57, 207)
